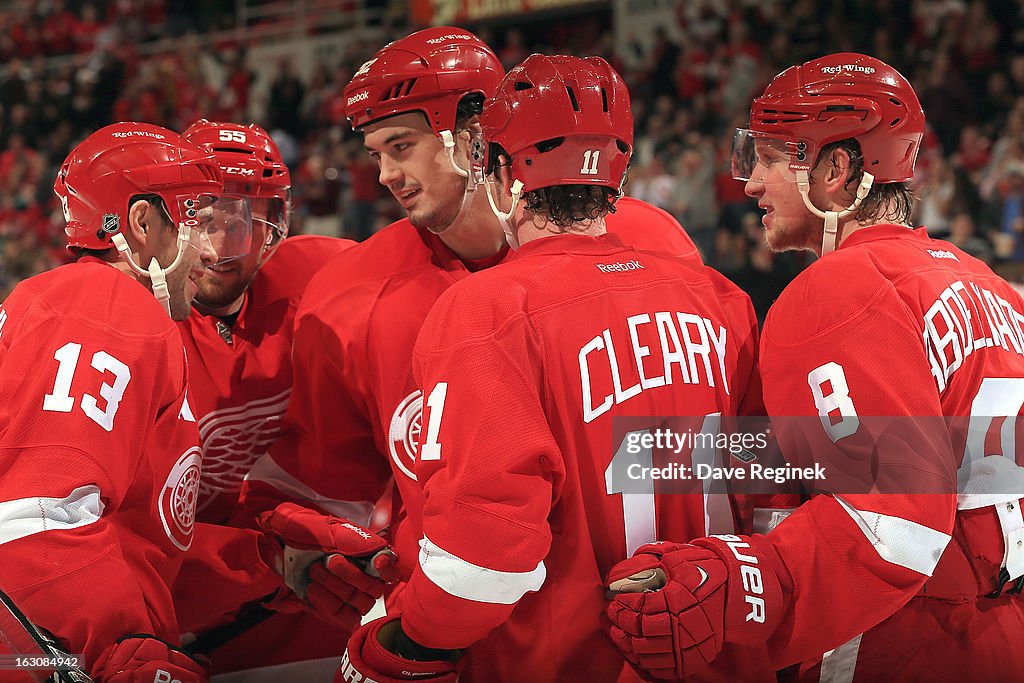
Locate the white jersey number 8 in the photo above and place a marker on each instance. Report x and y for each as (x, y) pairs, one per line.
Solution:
(837, 399)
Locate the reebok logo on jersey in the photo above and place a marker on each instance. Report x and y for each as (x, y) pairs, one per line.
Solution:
(620, 267)
(942, 253)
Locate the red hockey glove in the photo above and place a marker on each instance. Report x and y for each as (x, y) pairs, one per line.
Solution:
(715, 589)
(369, 658)
(336, 569)
(146, 659)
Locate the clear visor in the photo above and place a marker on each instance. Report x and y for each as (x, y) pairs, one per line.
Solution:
(275, 231)
(225, 221)
(749, 149)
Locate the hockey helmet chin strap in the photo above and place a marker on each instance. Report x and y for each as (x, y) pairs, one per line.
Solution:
(504, 216)
(475, 176)
(828, 239)
(157, 275)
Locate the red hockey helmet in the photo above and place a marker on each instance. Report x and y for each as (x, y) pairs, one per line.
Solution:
(428, 71)
(564, 121)
(844, 95)
(105, 170)
(248, 158)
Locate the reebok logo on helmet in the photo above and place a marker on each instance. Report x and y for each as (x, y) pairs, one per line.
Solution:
(358, 97)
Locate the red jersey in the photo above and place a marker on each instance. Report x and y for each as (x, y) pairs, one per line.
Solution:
(241, 381)
(241, 375)
(897, 324)
(355, 411)
(541, 376)
(99, 453)
(648, 227)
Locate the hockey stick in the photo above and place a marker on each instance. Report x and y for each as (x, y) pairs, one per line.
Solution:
(32, 653)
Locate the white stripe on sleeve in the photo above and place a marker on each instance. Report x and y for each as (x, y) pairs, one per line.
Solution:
(26, 516)
(900, 541)
(468, 581)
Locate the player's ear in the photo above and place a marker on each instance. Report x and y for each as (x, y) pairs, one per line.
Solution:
(503, 174)
(472, 125)
(142, 217)
(838, 170)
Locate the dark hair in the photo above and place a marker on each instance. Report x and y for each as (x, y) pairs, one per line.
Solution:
(153, 199)
(108, 254)
(102, 254)
(470, 105)
(889, 201)
(565, 205)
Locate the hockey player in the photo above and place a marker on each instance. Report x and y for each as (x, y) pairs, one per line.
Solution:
(526, 369)
(239, 338)
(98, 444)
(355, 411)
(902, 579)
(238, 342)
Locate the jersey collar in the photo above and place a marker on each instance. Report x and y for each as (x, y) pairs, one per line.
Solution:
(572, 243)
(883, 231)
(450, 261)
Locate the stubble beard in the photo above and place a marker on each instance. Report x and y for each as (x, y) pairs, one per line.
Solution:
(436, 220)
(180, 306)
(213, 296)
(791, 238)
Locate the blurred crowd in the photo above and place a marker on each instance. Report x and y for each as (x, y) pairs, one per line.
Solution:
(72, 67)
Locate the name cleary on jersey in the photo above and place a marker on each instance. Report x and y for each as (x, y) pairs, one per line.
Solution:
(964, 319)
(678, 348)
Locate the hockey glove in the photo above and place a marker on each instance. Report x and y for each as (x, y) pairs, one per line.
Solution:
(145, 659)
(369, 657)
(715, 589)
(335, 568)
